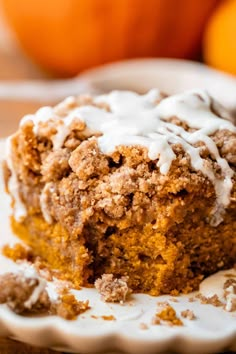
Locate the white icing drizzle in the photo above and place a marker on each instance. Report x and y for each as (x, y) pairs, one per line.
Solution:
(230, 297)
(138, 120)
(193, 107)
(36, 293)
(43, 202)
(19, 209)
(28, 271)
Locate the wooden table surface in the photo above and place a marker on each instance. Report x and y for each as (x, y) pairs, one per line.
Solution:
(8, 346)
(13, 347)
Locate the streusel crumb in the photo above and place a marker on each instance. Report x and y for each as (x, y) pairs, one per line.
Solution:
(211, 300)
(112, 289)
(24, 294)
(189, 314)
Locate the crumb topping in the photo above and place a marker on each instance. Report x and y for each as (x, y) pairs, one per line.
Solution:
(210, 300)
(189, 314)
(24, 294)
(112, 289)
(128, 119)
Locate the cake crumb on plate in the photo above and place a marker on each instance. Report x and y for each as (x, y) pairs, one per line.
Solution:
(143, 326)
(24, 294)
(17, 252)
(68, 307)
(108, 318)
(189, 314)
(168, 316)
(112, 289)
(211, 300)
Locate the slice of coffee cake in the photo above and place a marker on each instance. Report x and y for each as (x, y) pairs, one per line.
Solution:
(125, 184)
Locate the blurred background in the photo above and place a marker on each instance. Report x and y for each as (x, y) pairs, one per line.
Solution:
(60, 39)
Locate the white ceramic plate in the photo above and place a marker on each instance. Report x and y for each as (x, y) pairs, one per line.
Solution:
(214, 329)
(169, 75)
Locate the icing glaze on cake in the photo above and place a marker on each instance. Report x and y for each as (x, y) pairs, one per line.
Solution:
(134, 119)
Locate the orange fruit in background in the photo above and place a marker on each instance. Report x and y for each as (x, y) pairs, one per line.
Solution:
(67, 36)
(219, 46)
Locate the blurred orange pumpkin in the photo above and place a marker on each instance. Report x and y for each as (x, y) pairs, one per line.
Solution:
(219, 45)
(67, 36)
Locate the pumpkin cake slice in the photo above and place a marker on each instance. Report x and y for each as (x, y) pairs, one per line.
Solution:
(131, 185)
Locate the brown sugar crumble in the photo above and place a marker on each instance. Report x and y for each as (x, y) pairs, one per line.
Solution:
(211, 300)
(28, 295)
(189, 314)
(168, 316)
(113, 289)
(24, 294)
(67, 306)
